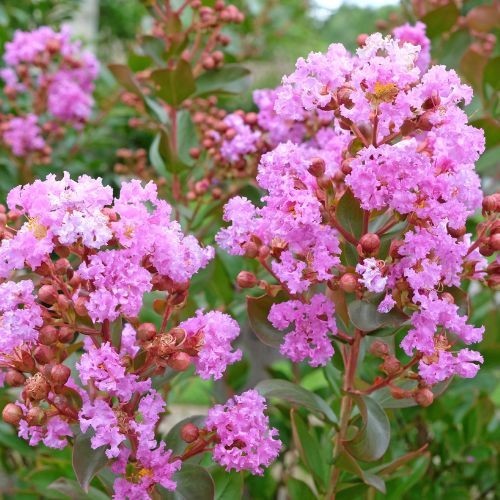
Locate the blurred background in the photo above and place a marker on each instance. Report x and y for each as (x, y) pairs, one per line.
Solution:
(463, 426)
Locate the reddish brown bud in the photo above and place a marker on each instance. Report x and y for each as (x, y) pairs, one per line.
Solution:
(490, 203)
(264, 252)
(251, 118)
(424, 121)
(13, 378)
(346, 166)
(246, 279)
(60, 374)
(66, 334)
(485, 249)
(391, 365)
(61, 266)
(317, 167)
(48, 335)
(424, 397)
(361, 39)
(179, 361)
(379, 349)
(146, 331)
(190, 433)
(399, 393)
(194, 153)
(80, 306)
(36, 387)
(44, 354)
(448, 297)
(370, 243)
(12, 414)
(48, 294)
(348, 282)
(36, 416)
(494, 242)
(179, 334)
(394, 249)
(62, 251)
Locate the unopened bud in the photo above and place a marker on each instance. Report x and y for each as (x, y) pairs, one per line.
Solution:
(424, 397)
(12, 414)
(13, 378)
(448, 297)
(36, 416)
(48, 335)
(190, 433)
(494, 242)
(66, 334)
(178, 333)
(348, 282)
(246, 279)
(317, 167)
(251, 249)
(491, 203)
(361, 39)
(146, 331)
(44, 354)
(48, 294)
(457, 233)
(391, 365)
(485, 249)
(394, 249)
(80, 306)
(179, 361)
(370, 243)
(346, 166)
(379, 349)
(60, 374)
(61, 266)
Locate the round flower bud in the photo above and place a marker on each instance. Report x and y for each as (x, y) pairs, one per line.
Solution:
(317, 167)
(66, 334)
(370, 243)
(36, 416)
(348, 282)
(61, 266)
(379, 349)
(448, 297)
(80, 306)
(179, 361)
(48, 335)
(190, 432)
(424, 397)
(485, 249)
(13, 378)
(361, 39)
(48, 294)
(246, 279)
(44, 354)
(346, 166)
(12, 414)
(394, 249)
(146, 331)
(251, 249)
(391, 365)
(490, 203)
(457, 233)
(60, 374)
(494, 242)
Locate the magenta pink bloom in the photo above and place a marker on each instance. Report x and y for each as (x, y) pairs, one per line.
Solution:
(23, 135)
(246, 440)
(217, 331)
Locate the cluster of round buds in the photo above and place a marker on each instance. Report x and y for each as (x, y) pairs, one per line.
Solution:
(135, 163)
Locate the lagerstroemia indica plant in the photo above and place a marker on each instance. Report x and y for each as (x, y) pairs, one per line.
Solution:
(367, 164)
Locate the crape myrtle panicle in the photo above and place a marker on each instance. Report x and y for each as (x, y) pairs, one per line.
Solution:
(76, 263)
(383, 127)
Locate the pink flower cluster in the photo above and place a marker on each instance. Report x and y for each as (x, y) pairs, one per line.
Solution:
(244, 439)
(389, 129)
(58, 78)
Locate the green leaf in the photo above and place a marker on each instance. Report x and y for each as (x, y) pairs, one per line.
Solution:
(174, 85)
(227, 80)
(372, 440)
(441, 20)
(364, 315)
(258, 310)
(125, 78)
(309, 448)
(348, 463)
(288, 391)
(72, 490)
(491, 72)
(491, 129)
(298, 490)
(173, 437)
(155, 157)
(193, 483)
(350, 214)
(228, 485)
(86, 461)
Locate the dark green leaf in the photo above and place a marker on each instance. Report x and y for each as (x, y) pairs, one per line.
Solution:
(298, 490)
(364, 315)
(348, 463)
(221, 80)
(228, 485)
(288, 391)
(258, 310)
(125, 78)
(309, 448)
(492, 72)
(491, 129)
(440, 20)
(86, 461)
(174, 85)
(71, 489)
(372, 440)
(350, 214)
(155, 157)
(193, 483)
